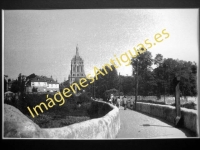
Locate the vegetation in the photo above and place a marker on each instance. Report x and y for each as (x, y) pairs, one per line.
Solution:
(152, 101)
(188, 105)
(75, 109)
(152, 80)
(107, 82)
(98, 110)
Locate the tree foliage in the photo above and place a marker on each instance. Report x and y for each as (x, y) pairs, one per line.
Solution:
(146, 79)
(15, 86)
(158, 81)
(109, 81)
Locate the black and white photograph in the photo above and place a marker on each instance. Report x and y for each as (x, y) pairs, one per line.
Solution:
(100, 73)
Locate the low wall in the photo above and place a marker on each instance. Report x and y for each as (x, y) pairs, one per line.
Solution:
(17, 125)
(189, 116)
(167, 99)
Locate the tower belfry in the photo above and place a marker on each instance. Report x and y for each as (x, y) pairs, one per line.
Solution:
(77, 54)
(77, 68)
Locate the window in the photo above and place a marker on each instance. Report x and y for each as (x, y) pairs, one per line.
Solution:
(73, 74)
(81, 68)
(77, 75)
(78, 68)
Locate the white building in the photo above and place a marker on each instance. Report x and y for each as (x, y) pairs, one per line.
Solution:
(42, 84)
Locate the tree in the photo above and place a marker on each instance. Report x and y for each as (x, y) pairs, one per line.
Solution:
(111, 91)
(141, 68)
(31, 76)
(158, 60)
(170, 68)
(5, 85)
(15, 87)
(109, 81)
(127, 85)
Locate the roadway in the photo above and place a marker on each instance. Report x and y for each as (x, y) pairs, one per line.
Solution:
(138, 125)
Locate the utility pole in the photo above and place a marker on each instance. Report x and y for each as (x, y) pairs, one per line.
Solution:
(94, 90)
(136, 83)
(119, 84)
(164, 91)
(177, 99)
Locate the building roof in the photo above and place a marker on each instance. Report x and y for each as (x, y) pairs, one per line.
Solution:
(43, 79)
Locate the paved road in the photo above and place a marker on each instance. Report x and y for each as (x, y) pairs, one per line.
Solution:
(138, 125)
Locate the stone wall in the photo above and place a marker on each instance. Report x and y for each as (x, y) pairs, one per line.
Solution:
(17, 125)
(167, 99)
(189, 116)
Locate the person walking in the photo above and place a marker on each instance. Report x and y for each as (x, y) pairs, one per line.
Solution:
(125, 102)
(111, 100)
(118, 102)
(131, 102)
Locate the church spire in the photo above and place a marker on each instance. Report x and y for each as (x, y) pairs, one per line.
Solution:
(77, 54)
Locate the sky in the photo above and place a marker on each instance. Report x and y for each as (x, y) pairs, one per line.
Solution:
(44, 41)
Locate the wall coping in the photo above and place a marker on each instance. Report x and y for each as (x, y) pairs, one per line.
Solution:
(168, 113)
(98, 128)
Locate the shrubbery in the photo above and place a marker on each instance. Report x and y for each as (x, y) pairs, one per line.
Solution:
(188, 105)
(56, 116)
(97, 110)
(75, 109)
(152, 101)
(54, 120)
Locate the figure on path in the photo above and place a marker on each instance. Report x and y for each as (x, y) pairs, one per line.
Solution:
(118, 102)
(111, 100)
(125, 102)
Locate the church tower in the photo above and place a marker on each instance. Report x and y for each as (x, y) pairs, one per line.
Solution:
(77, 68)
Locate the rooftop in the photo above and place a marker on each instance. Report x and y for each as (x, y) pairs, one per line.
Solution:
(43, 79)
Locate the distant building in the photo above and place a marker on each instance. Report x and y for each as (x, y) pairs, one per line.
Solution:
(77, 68)
(42, 84)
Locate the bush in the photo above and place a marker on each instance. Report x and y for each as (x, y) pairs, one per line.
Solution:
(152, 101)
(97, 110)
(57, 116)
(48, 121)
(188, 105)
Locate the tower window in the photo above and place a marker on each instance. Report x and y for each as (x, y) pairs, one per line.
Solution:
(78, 68)
(74, 69)
(81, 68)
